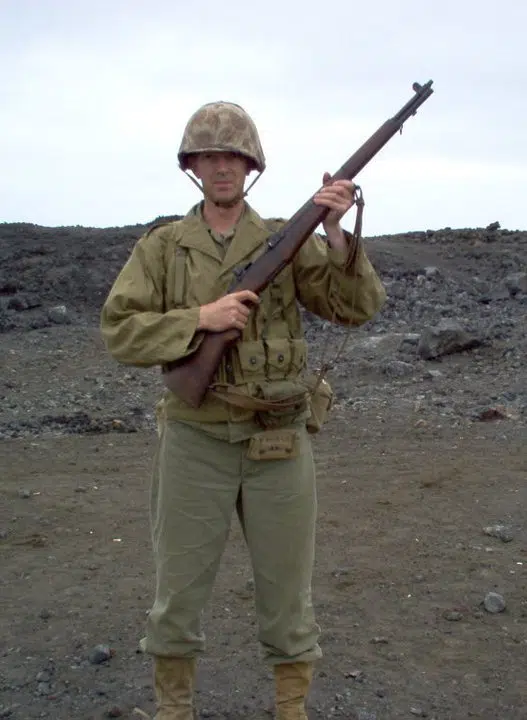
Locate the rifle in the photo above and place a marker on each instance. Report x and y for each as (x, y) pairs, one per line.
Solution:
(190, 377)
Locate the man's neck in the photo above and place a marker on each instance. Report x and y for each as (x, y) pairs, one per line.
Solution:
(222, 219)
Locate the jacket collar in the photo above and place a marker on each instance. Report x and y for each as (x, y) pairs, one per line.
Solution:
(195, 234)
(251, 233)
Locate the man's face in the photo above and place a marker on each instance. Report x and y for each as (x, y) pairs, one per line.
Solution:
(222, 175)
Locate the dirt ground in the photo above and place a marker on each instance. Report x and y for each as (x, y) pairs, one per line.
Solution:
(402, 570)
(422, 496)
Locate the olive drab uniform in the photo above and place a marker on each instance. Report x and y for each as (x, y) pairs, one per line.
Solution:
(202, 468)
(250, 455)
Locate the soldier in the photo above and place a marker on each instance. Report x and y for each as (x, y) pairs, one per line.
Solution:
(216, 458)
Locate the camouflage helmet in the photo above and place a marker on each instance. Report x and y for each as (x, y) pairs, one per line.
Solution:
(222, 126)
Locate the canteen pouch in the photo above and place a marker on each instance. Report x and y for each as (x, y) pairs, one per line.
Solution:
(320, 402)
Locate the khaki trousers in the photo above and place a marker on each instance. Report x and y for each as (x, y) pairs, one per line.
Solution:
(198, 482)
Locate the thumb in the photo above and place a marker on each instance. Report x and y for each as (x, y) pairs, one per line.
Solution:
(326, 178)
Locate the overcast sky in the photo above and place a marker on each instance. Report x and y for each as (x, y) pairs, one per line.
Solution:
(95, 95)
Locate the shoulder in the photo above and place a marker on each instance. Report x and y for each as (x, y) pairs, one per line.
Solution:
(161, 234)
(163, 229)
(172, 227)
(274, 224)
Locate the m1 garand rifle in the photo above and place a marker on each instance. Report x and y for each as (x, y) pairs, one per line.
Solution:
(190, 377)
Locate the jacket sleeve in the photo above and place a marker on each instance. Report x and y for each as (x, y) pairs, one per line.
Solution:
(134, 324)
(326, 286)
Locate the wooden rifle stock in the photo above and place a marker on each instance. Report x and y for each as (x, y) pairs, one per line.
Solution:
(190, 377)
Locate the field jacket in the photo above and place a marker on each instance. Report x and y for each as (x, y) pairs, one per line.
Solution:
(151, 314)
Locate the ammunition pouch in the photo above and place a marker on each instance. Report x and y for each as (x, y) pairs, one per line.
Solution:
(274, 445)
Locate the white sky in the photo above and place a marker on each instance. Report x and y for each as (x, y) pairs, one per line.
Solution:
(94, 96)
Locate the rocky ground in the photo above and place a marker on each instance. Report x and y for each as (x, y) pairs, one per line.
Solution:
(420, 581)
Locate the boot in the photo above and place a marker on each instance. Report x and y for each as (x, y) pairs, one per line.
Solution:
(292, 686)
(174, 687)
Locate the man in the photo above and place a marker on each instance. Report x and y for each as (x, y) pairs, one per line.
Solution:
(224, 455)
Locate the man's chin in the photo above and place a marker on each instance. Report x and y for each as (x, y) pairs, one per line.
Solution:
(226, 202)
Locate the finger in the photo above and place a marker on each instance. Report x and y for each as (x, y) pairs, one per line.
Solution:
(326, 177)
(336, 189)
(243, 310)
(237, 319)
(333, 203)
(348, 184)
(247, 296)
(240, 322)
(334, 200)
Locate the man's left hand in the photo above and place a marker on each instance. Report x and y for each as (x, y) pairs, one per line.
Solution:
(338, 196)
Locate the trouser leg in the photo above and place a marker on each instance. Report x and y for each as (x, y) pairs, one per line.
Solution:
(194, 490)
(279, 513)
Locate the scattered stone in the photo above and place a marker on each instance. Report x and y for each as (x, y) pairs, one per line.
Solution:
(114, 712)
(44, 614)
(19, 303)
(418, 712)
(59, 315)
(24, 494)
(100, 654)
(366, 715)
(397, 368)
(494, 602)
(431, 271)
(516, 283)
(445, 338)
(341, 572)
(432, 374)
(498, 412)
(502, 532)
(355, 675)
(453, 615)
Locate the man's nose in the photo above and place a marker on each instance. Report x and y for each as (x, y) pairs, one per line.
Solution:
(222, 163)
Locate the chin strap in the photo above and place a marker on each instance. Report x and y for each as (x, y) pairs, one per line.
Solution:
(196, 183)
(245, 192)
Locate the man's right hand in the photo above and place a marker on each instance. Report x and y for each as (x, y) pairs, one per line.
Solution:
(229, 312)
